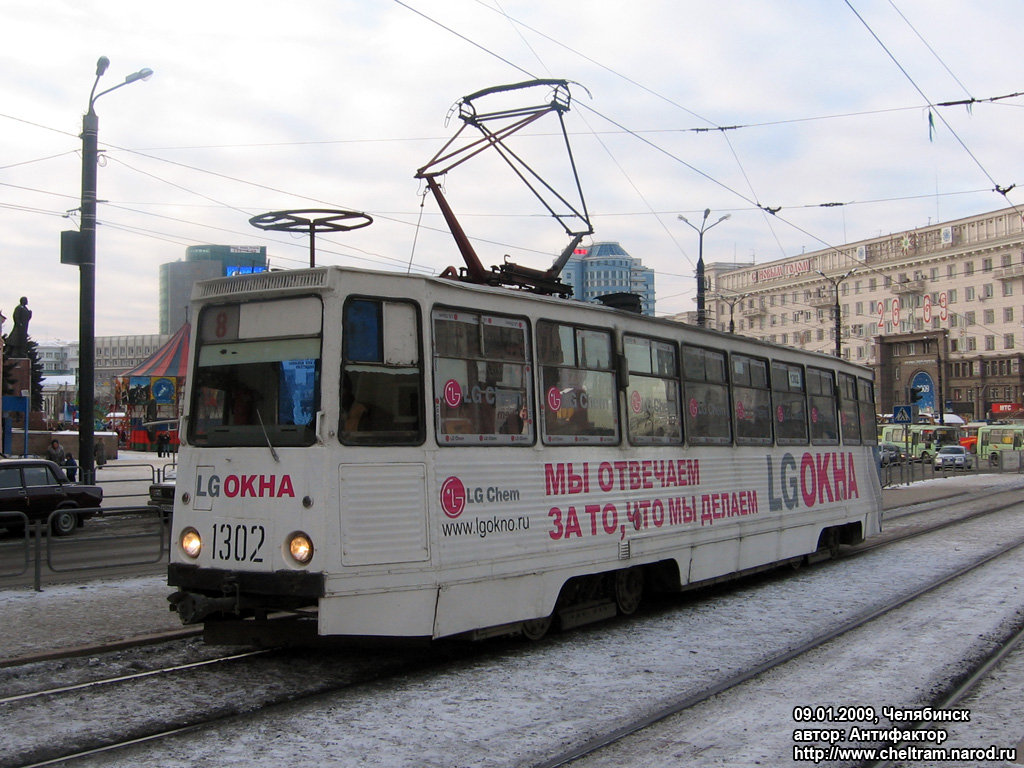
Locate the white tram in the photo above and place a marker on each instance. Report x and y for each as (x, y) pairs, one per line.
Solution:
(389, 455)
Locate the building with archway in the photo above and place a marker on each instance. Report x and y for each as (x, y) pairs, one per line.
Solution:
(940, 307)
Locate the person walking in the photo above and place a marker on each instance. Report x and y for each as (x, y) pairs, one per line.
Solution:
(55, 453)
(71, 467)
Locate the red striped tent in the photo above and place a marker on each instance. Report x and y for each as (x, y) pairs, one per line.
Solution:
(150, 393)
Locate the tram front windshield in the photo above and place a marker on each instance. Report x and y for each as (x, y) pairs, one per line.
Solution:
(263, 391)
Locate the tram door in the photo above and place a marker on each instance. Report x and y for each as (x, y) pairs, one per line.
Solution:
(382, 504)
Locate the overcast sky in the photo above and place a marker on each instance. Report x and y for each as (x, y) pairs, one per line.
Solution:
(260, 106)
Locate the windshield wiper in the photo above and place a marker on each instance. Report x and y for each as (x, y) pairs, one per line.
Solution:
(270, 445)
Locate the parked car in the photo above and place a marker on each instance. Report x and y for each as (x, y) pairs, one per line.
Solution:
(37, 488)
(953, 457)
(161, 494)
(890, 453)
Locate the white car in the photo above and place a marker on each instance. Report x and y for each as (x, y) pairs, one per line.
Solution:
(953, 457)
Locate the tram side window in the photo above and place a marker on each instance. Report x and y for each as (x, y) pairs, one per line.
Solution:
(849, 411)
(752, 407)
(482, 375)
(868, 419)
(790, 404)
(822, 395)
(705, 397)
(580, 401)
(257, 374)
(381, 376)
(652, 399)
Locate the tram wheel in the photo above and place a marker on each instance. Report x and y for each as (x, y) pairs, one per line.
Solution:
(629, 589)
(535, 629)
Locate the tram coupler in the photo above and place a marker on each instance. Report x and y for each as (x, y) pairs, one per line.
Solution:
(193, 608)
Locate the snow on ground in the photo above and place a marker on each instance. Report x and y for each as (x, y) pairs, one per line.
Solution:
(513, 708)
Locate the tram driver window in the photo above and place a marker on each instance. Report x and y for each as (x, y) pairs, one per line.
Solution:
(381, 377)
(482, 375)
(257, 374)
(579, 399)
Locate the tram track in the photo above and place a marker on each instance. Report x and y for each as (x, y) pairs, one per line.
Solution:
(199, 695)
(885, 539)
(596, 744)
(970, 682)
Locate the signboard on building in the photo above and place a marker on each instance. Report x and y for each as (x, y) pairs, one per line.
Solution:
(779, 271)
(923, 381)
(1002, 408)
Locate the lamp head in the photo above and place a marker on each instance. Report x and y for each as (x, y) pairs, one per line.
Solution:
(101, 65)
(142, 74)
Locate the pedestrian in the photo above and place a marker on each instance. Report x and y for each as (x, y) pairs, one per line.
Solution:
(162, 447)
(55, 452)
(71, 467)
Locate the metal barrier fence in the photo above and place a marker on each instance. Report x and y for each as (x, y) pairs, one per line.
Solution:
(139, 535)
(152, 474)
(907, 472)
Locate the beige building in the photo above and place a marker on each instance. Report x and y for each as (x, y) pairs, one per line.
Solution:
(940, 308)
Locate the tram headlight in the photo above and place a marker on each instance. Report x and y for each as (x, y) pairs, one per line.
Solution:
(300, 547)
(191, 542)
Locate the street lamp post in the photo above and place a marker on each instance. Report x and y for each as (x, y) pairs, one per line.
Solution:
(701, 287)
(836, 282)
(87, 273)
(732, 302)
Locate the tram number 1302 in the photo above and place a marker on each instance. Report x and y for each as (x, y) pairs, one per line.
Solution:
(240, 542)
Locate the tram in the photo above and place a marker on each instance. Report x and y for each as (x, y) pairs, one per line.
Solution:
(382, 455)
(389, 455)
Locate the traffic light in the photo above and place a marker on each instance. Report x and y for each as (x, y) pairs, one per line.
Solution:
(915, 395)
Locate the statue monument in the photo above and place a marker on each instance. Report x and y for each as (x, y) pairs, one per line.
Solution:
(17, 340)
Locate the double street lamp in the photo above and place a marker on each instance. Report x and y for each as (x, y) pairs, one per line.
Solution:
(701, 286)
(836, 316)
(732, 301)
(86, 260)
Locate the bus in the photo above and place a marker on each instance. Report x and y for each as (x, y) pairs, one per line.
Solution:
(993, 439)
(923, 440)
(969, 435)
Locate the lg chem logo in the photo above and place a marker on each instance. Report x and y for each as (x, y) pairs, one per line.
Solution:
(453, 497)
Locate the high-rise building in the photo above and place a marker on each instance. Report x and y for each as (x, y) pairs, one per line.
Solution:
(202, 262)
(605, 268)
